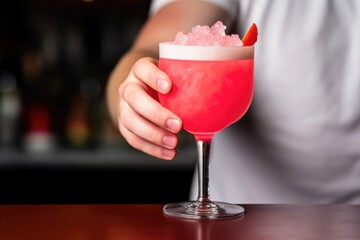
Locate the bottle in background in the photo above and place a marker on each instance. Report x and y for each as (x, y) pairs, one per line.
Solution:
(10, 105)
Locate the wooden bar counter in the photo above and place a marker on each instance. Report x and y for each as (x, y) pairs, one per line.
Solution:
(147, 221)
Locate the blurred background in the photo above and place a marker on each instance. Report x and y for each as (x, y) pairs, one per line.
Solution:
(57, 143)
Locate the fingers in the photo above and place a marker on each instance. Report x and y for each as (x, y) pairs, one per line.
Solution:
(143, 121)
(146, 136)
(147, 130)
(147, 147)
(149, 108)
(146, 69)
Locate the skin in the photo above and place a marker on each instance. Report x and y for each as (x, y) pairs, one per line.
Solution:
(135, 81)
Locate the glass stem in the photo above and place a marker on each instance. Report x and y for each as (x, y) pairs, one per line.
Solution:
(203, 170)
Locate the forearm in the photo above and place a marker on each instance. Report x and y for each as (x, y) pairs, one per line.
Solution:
(118, 75)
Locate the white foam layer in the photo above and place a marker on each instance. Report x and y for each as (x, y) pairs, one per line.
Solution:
(207, 53)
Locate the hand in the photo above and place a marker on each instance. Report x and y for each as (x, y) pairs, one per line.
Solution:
(143, 121)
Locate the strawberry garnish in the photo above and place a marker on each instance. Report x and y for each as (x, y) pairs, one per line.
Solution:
(250, 37)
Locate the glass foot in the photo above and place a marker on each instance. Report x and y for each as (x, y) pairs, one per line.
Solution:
(206, 210)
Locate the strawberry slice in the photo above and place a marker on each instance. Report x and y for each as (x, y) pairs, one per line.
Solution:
(250, 37)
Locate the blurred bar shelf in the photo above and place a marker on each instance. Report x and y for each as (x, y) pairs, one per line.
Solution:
(97, 158)
(55, 59)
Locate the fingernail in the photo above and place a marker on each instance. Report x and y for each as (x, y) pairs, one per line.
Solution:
(168, 153)
(173, 124)
(169, 140)
(163, 84)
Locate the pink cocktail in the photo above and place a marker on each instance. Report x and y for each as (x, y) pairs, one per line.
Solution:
(208, 94)
(212, 89)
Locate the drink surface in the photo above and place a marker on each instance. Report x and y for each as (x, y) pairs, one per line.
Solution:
(208, 95)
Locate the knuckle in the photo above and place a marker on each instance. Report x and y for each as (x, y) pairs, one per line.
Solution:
(151, 150)
(123, 130)
(153, 137)
(146, 70)
(137, 143)
(153, 77)
(140, 65)
(131, 93)
(134, 141)
(123, 86)
(121, 89)
(125, 120)
(158, 116)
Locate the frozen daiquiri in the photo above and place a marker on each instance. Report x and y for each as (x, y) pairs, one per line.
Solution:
(213, 76)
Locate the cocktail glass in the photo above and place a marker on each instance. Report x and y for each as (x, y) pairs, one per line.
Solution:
(212, 89)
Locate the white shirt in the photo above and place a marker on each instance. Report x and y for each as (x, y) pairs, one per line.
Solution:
(300, 140)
